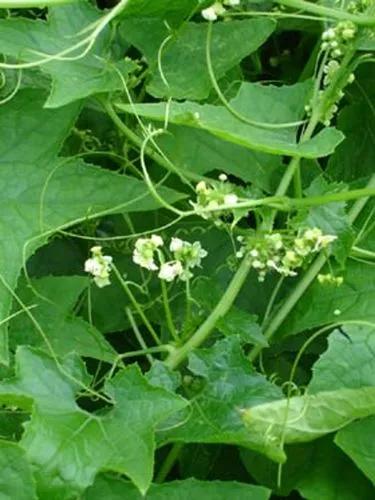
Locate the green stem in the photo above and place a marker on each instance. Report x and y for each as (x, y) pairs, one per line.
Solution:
(362, 253)
(305, 281)
(360, 20)
(138, 141)
(222, 307)
(188, 306)
(169, 462)
(135, 304)
(138, 334)
(167, 310)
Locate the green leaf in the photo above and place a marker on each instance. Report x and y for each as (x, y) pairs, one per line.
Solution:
(355, 157)
(183, 59)
(236, 321)
(317, 470)
(39, 190)
(54, 299)
(16, 478)
(116, 489)
(333, 399)
(348, 362)
(332, 476)
(260, 103)
(172, 10)
(68, 446)
(32, 40)
(223, 383)
(207, 153)
(320, 304)
(331, 218)
(356, 440)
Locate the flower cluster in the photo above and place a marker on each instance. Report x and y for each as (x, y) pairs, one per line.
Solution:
(217, 9)
(216, 197)
(99, 266)
(330, 279)
(185, 256)
(335, 41)
(273, 252)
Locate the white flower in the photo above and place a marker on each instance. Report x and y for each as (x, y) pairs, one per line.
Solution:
(209, 14)
(254, 252)
(157, 240)
(146, 262)
(176, 245)
(230, 199)
(170, 270)
(201, 187)
(223, 177)
(99, 266)
(329, 34)
(232, 3)
(144, 251)
(276, 240)
(326, 240)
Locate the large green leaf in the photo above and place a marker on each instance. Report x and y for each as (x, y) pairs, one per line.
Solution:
(317, 470)
(355, 157)
(348, 362)
(333, 399)
(16, 478)
(332, 476)
(183, 60)
(208, 153)
(357, 441)
(54, 301)
(320, 304)
(31, 40)
(224, 382)
(67, 445)
(174, 10)
(41, 192)
(260, 103)
(106, 487)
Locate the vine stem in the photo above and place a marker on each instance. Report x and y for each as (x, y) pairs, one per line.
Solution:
(169, 462)
(136, 306)
(222, 307)
(360, 20)
(306, 280)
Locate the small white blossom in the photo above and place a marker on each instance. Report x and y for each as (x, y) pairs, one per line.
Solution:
(176, 245)
(337, 312)
(212, 13)
(230, 199)
(201, 187)
(144, 252)
(99, 266)
(254, 252)
(170, 270)
(232, 3)
(329, 34)
(223, 177)
(157, 240)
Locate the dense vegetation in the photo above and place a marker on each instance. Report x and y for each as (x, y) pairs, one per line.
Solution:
(187, 285)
